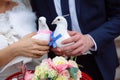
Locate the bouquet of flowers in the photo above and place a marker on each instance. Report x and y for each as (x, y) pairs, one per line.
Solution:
(57, 68)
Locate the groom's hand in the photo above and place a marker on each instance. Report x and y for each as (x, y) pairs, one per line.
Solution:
(82, 43)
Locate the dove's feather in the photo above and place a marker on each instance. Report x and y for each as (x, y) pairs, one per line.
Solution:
(44, 32)
(61, 29)
(42, 36)
(64, 33)
(42, 23)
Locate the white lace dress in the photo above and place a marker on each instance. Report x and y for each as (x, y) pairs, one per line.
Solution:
(14, 24)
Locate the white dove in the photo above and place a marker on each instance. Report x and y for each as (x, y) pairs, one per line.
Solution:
(61, 28)
(43, 32)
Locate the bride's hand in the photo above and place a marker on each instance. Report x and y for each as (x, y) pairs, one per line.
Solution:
(30, 47)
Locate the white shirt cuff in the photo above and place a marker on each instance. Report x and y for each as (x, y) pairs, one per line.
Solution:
(95, 45)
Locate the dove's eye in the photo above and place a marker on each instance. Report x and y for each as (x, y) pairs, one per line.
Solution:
(58, 19)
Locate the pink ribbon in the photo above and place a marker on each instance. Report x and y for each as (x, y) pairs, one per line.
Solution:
(44, 31)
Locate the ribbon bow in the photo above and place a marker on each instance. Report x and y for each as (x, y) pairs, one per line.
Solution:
(54, 39)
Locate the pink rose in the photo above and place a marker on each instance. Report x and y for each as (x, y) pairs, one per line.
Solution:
(59, 68)
(28, 75)
(79, 75)
(62, 67)
(51, 64)
(73, 63)
(65, 73)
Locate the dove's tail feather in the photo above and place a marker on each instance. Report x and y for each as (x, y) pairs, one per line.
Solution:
(16, 60)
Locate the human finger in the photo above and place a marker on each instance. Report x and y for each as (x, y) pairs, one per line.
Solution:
(40, 48)
(72, 33)
(57, 51)
(72, 46)
(30, 35)
(78, 51)
(42, 52)
(72, 39)
(41, 42)
(38, 53)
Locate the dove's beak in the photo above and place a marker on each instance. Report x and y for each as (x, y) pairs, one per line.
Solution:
(54, 22)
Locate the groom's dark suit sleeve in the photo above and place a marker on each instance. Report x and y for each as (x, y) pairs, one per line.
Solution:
(108, 31)
(100, 19)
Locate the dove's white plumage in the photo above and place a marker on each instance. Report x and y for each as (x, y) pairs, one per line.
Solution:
(61, 28)
(42, 23)
(43, 32)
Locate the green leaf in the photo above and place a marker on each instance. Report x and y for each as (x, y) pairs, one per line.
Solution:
(81, 66)
(54, 78)
(73, 58)
(50, 79)
(38, 77)
(73, 72)
(46, 75)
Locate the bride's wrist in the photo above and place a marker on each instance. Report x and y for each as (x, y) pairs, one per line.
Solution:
(14, 50)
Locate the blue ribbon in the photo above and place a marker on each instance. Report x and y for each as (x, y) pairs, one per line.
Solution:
(53, 41)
